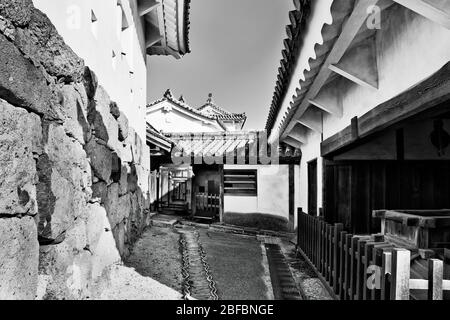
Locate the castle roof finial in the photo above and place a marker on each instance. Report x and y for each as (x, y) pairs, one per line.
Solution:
(168, 94)
(210, 99)
(181, 99)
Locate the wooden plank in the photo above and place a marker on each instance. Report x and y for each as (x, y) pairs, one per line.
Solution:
(435, 279)
(342, 267)
(400, 274)
(347, 267)
(386, 275)
(360, 271)
(377, 260)
(337, 229)
(425, 95)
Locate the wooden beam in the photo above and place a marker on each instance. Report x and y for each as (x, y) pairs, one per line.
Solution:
(349, 32)
(359, 64)
(329, 100)
(437, 11)
(426, 95)
(312, 119)
(292, 142)
(299, 133)
(152, 35)
(146, 6)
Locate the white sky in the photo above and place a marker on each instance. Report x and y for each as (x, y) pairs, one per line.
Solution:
(235, 54)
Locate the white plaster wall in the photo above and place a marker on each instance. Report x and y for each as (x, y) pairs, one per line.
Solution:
(177, 120)
(410, 49)
(273, 192)
(95, 42)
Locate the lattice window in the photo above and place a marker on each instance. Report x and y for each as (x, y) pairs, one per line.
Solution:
(241, 182)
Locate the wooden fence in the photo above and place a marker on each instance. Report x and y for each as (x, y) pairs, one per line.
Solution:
(363, 267)
(207, 202)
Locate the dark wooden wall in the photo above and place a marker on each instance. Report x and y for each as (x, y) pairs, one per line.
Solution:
(352, 189)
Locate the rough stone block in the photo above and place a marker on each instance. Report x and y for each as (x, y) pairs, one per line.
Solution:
(19, 259)
(117, 207)
(17, 11)
(105, 126)
(100, 190)
(123, 183)
(101, 160)
(74, 108)
(41, 42)
(114, 110)
(67, 156)
(67, 205)
(132, 179)
(90, 82)
(20, 140)
(21, 83)
(123, 127)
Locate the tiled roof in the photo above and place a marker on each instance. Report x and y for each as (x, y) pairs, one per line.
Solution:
(157, 138)
(213, 144)
(292, 46)
(221, 115)
(340, 11)
(223, 144)
(173, 29)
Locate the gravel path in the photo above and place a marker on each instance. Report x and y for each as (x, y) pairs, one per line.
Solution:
(157, 255)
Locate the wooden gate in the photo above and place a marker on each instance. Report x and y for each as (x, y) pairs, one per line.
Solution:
(207, 205)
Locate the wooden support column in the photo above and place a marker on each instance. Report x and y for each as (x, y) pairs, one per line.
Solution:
(292, 197)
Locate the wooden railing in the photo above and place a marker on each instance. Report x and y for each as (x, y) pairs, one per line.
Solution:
(363, 267)
(207, 202)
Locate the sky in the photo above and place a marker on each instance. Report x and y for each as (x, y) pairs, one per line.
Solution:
(235, 54)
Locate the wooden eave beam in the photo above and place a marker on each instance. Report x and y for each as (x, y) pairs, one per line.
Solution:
(292, 142)
(345, 39)
(437, 11)
(359, 64)
(423, 97)
(146, 6)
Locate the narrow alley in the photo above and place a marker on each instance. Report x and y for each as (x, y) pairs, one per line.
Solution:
(210, 263)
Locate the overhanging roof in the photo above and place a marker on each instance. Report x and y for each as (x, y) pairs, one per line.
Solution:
(156, 138)
(166, 24)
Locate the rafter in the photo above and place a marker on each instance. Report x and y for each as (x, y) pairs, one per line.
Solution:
(299, 133)
(360, 64)
(436, 10)
(329, 100)
(146, 6)
(312, 119)
(292, 142)
(345, 39)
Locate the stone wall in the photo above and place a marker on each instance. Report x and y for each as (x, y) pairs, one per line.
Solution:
(70, 166)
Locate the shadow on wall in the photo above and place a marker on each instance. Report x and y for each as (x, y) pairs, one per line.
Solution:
(259, 221)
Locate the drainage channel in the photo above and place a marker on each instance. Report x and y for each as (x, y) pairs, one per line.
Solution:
(283, 283)
(197, 279)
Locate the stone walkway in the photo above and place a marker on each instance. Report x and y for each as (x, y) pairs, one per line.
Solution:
(204, 264)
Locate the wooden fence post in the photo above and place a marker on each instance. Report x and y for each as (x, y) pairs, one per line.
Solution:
(342, 269)
(347, 264)
(378, 262)
(435, 279)
(337, 229)
(299, 229)
(386, 264)
(400, 274)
